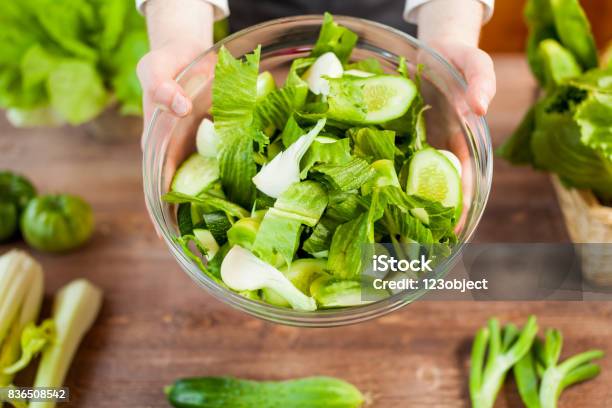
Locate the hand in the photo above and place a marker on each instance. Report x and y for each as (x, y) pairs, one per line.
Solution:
(179, 31)
(477, 69)
(157, 70)
(452, 28)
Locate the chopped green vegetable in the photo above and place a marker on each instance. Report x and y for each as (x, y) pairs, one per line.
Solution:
(334, 38)
(195, 175)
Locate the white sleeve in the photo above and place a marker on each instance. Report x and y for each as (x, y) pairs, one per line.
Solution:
(220, 6)
(411, 11)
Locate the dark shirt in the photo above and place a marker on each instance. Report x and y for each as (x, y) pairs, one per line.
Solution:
(245, 13)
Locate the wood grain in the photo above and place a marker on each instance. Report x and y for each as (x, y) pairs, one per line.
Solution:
(156, 325)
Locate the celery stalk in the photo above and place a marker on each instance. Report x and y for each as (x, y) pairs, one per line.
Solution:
(28, 312)
(75, 308)
(17, 275)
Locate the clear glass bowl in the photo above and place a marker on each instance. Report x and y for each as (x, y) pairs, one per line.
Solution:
(451, 124)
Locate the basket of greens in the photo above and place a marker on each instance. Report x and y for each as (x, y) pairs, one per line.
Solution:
(568, 131)
(290, 182)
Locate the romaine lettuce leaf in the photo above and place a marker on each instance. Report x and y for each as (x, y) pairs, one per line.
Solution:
(317, 244)
(278, 235)
(371, 65)
(373, 143)
(234, 100)
(594, 116)
(558, 64)
(278, 105)
(344, 260)
(326, 150)
(517, 149)
(347, 176)
(335, 38)
(76, 91)
(209, 202)
(304, 201)
(291, 131)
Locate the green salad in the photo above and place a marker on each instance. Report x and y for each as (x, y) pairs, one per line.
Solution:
(290, 183)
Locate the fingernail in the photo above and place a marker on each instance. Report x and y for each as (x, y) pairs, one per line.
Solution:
(180, 104)
(484, 102)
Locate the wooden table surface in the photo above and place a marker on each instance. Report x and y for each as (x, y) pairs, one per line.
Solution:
(156, 325)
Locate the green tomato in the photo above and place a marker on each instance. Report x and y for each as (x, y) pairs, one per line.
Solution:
(8, 219)
(57, 223)
(16, 188)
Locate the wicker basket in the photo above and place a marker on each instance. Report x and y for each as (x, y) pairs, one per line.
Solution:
(589, 222)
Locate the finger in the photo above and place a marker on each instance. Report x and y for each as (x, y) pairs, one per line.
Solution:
(479, 72)
(156, 75)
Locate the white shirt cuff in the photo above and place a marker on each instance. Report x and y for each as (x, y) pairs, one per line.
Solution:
(411, 11)
(221, 8)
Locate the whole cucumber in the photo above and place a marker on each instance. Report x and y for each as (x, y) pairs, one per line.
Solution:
(228, 392)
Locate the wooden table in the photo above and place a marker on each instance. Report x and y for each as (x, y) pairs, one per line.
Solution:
(156, 325)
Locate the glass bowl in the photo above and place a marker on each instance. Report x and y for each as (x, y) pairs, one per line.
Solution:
(451, 124)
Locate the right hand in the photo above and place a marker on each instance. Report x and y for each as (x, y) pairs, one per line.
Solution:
(157, 71)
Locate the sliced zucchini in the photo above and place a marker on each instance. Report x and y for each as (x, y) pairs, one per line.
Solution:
(195, 175)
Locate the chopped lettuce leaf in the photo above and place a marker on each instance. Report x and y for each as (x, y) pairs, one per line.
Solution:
(317, 244)
(304, 202)
(335, 38)
(347, 176)
(326, 150)
(371, 65)
(234, 101)
(344, 260)
(345, 206)
(291, 132)
(373, 143)
(276, 107)
(278, 235)
(209, 202)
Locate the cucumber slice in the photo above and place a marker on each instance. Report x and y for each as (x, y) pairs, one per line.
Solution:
(195, 175)
(387, 97)
(265, 84)
(206, 239)
(433, 176)
(207, 139)
(183, 217)
(218, 224)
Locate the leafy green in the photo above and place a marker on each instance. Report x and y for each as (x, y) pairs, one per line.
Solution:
(568, 131)
(278, 105)
(371, 65)
(317, 244)
(347, 176)
(594, 117)
(335, 38)
(344, 260)
(303, 201)
(277, 235)
(234, 99)
(69, 59)
(33, 340)
(326, 150)
(208, 201)
(373, 143)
